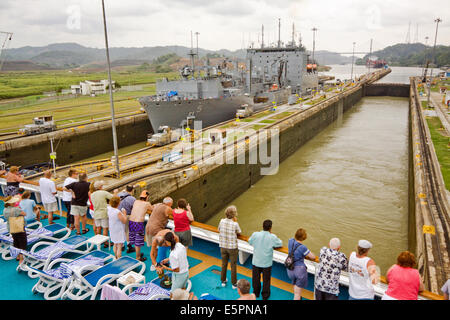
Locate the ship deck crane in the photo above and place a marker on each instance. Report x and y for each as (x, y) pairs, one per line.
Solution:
(5, 44)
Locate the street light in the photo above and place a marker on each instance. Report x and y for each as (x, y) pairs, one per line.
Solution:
(434, 49)
(111, 100)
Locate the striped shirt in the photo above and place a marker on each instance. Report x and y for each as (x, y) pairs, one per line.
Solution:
(228, 233)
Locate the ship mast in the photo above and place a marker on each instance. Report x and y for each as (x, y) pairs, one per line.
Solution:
(293, 34)
(279, 33)
(192, 54)
(262, 37)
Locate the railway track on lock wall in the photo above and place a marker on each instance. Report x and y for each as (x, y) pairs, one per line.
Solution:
(434, 196)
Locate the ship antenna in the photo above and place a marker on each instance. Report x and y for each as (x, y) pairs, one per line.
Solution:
(279, 33)
(262, 37)
(196, 34)
(192, 54)
(293, 34)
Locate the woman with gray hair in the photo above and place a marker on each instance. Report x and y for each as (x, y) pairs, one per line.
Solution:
(332, 262)
(228, 231)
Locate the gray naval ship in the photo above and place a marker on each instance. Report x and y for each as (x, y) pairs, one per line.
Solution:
(270, 76)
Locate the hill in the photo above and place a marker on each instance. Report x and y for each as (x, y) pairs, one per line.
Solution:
(23, 66)
(72, 55)
(412, 54)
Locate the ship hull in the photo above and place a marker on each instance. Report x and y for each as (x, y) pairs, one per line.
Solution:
(209, 111)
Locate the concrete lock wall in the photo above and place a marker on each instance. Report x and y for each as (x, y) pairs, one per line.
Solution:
(209, 188)
(387, 89)
(77, 143)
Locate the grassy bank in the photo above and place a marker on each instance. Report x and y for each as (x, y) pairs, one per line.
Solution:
(441, 144)
(21, 97)
(32, 83)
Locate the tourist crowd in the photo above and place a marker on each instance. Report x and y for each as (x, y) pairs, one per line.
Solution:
(122, 217)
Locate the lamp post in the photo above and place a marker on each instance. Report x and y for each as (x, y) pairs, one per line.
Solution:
(111, 100)
(434, 49)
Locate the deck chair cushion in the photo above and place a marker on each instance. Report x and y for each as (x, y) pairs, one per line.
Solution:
(147, 291)
(65, 270)
(43, 254)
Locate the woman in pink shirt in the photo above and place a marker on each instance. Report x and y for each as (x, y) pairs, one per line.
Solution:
(404, 281)
(182, 218)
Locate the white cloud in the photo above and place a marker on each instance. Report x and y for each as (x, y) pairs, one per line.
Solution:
(225, 24)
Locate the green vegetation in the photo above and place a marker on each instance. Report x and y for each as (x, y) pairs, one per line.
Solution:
(15, 115)
(281, 115)
(34, 83)
(425, 106)
(256, 127)
(413, 54)
(256, 116)
(161, 64)
(441, 144)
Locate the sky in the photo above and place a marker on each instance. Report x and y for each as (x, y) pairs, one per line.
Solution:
(225, 24)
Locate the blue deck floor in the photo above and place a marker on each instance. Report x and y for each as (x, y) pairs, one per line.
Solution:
(17, 286)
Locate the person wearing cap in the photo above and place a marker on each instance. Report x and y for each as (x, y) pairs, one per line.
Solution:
(331, 263)
(362, 273)
(126, 203)
(100, 200)
(47, 188)
(136, 223)
(19, 238)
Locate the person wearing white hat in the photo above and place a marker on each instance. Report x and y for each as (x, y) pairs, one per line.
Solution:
(10, 211)
(362, 273)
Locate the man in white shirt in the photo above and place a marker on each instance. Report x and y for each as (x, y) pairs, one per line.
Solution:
(47, 188)
(67, 197)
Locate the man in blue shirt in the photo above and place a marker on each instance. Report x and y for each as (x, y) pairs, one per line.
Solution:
(263, 243)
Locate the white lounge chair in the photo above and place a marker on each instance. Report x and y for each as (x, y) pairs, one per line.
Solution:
(53, 232)
(44, 252)
(54, 280)
(88, 286)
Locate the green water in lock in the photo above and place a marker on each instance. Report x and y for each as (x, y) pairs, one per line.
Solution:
(350, 181)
